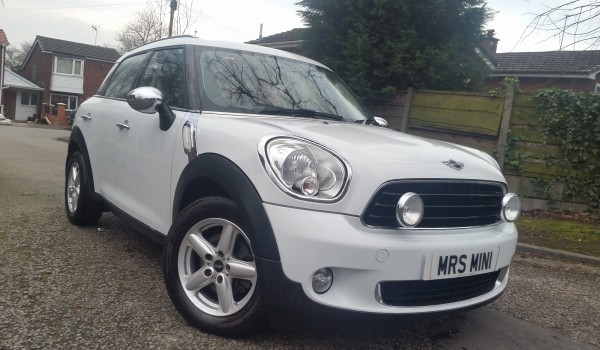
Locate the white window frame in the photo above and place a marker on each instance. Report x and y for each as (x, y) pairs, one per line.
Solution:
(29, 99)
(55, 66)
(597, 90)
(69, 98)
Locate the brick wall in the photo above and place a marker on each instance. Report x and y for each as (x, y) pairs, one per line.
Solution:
(94, 73)
(39, 70)
(9, 100)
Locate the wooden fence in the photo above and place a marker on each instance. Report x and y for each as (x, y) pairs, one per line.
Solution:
(506, 127)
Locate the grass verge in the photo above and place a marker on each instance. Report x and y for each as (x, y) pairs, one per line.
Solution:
(560, 232)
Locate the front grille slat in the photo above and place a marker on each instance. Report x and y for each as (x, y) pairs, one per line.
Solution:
(447, 203)
(435, 292)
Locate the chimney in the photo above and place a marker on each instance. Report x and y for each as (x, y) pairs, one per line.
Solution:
(489, 42)
(260, 33)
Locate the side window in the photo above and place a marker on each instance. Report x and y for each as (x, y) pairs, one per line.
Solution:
(123, 78)
(166, 73)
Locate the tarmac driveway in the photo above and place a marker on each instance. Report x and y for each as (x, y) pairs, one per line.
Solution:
(64, 287)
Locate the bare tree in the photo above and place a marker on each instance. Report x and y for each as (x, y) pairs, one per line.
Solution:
(185, 18)
(15, 55)
(574, 23)
(152, 23)
(144, 28)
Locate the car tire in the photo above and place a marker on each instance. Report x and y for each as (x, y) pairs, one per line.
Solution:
(210, 271)
(81, 209)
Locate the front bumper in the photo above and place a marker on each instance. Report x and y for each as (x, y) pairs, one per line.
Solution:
(362, 257)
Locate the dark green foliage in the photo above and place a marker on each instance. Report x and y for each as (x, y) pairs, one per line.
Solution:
(574, 119)
(381, 46)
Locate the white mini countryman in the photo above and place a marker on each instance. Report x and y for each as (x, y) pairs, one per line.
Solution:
(270, 185)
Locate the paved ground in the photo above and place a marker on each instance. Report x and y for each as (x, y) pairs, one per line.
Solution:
(63, 287)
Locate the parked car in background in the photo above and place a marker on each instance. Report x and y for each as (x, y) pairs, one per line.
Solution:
(271, 186)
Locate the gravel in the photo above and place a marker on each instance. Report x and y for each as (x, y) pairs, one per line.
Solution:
(555, 294)
(65, 287)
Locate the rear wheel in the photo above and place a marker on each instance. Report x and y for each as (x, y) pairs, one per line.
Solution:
(81, 209)
(210, 271)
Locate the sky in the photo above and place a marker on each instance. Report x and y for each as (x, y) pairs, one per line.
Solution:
(229, 20)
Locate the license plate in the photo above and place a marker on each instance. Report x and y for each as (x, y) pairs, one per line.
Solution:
(449, 265)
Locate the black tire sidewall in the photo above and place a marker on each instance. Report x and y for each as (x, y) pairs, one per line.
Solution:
(88, 212)
(239, 324)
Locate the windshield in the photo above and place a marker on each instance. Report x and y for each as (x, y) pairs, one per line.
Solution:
(249, 82)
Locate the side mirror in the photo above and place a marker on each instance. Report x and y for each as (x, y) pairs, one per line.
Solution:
(377, 121)
(149, 100)
(380, 122)
(144, 99)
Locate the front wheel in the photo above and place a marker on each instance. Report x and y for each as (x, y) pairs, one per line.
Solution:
(81, 209)
(210, 271)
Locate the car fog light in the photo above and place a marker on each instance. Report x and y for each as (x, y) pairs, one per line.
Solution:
(511, 207)
(409, 210)
(322, 280)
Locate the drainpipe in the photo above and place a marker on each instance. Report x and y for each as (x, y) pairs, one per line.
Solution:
(2, 78)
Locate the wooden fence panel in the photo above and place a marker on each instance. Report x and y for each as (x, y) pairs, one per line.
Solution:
(474, 120)
(392, 109)
(472, 113)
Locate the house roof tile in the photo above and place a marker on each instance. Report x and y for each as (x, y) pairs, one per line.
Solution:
(3, 38)
(562, 62)
(291, 35)
(71, 48)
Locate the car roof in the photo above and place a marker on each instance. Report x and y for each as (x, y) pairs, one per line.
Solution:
(195, 41)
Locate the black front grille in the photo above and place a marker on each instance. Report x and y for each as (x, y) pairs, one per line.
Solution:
(436, 292)
(447, 203)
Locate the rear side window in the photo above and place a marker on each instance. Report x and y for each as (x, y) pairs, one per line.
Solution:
(123, 78)
(166, 73)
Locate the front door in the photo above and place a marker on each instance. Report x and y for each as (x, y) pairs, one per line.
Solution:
(142, 153)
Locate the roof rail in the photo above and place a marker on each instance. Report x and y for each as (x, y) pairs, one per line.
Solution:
(174, 37)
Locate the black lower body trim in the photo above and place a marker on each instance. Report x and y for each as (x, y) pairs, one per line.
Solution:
(137, 225)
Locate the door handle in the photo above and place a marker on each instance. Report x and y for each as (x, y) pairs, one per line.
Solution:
(124, 125)
(87, 116)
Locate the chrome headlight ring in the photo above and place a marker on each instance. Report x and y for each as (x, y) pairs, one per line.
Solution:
(511, 207)
(304, 169)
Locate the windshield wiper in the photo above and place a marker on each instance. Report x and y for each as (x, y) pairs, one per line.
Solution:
(307, 113)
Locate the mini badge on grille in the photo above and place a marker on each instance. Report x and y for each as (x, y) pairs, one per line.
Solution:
(454, 164)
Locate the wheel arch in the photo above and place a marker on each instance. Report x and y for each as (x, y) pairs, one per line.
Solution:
(77, 143)
(214, 175)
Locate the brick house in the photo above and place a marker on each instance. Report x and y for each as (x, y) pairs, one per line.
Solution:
(290, 41)
(68, 72)
(574, 70)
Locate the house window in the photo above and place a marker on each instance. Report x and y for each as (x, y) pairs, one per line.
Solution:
(68, 66)
(29, 98)
(597, 88)
(69, 101)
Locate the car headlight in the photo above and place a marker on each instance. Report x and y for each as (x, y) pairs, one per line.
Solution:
(409, 210)
(305, 169)
(511, 207)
